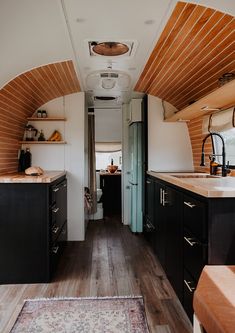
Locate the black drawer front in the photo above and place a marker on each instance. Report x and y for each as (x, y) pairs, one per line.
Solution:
(56, 191)
(57, 248)
(195, 217)
(189, 288)
(195, 255)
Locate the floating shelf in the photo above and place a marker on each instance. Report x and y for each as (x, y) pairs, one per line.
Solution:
(46, 119)
(43, 142)
(221, 98)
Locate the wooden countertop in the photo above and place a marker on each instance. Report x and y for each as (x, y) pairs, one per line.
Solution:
(47, 177)
(117, 173)
(214, 299)
(212, 187)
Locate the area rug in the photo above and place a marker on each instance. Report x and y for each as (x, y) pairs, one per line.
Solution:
(82, 315)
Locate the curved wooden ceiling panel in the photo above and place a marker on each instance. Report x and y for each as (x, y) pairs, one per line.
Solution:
(196, 47)
(22, 96)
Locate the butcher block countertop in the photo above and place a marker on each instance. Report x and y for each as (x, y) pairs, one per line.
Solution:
(199, 183)
(214, 299)
(46, 177)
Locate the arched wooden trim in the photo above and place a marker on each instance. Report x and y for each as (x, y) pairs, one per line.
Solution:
(22, 96)
(195, 48)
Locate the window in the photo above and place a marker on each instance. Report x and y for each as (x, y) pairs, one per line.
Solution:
(229, 139)
(103, 159)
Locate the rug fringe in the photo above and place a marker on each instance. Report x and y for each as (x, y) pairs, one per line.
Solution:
(64, 298)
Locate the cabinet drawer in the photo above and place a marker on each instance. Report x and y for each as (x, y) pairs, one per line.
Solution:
(195, 255)
(189, 288)
(195, 217)
(57, 190)
(57, 248)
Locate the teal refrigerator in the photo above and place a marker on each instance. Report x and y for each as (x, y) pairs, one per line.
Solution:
(135, 176)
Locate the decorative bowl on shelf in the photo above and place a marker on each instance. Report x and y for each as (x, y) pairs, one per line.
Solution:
(112, 168)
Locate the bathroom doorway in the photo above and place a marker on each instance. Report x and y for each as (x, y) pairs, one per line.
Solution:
(108, 148)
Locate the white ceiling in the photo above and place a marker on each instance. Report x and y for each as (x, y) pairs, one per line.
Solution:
(35, 33)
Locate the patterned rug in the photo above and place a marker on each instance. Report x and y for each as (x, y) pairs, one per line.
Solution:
(82, 315)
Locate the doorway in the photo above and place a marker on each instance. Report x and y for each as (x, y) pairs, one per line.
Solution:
(108, 148)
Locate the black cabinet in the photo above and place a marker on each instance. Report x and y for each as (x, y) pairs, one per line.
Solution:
(33, 230)
(149, 229)
(168, 241)
(190, 231)
(163, 229)
(111, 188)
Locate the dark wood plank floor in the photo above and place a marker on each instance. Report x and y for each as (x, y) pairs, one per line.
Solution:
(111, 262)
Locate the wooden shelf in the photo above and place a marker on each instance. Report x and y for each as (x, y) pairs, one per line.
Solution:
(221, 98)
(43, 142)
(46, 119)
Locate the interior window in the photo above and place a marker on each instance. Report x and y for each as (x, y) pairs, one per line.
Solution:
(229, 139)
(103, 159)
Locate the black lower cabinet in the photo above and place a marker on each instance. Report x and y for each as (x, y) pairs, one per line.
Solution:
(32, 234)
(190, 231)
(111, 188)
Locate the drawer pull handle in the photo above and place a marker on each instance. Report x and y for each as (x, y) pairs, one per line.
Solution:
(148, 182)
(55, 229)
(65, 185)
(55, 249)
(55, 210)
(56, 189)
(189, 204)
(190, 241)
(190, 288)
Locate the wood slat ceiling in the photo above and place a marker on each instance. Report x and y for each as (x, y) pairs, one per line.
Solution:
(196, 47)
(22, 96)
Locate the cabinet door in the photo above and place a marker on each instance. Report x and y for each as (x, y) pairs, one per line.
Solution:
(159, 223)
(149, 199)
(111, 187)
(173, 239)
(148, 223)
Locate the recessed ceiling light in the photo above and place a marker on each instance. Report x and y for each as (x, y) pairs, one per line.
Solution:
(108, 83)
(208, 108)
(149, 22)
(80, 20)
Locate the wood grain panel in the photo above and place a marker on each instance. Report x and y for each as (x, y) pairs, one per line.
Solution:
(196, 142)
(22, 96)
(195, 48)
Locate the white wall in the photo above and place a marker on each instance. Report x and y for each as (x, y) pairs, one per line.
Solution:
(108, 125)
(35, 34)
(69, 157)
(169, 146)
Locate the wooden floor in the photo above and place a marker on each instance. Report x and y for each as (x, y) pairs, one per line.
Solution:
(112, 261)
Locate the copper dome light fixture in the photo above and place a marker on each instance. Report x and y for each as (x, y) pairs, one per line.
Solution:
(109, 48)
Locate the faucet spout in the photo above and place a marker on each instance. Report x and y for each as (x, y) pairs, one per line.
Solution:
(224, 168)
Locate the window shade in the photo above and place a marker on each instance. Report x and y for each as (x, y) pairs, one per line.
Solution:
(107, 147)
(219, 122)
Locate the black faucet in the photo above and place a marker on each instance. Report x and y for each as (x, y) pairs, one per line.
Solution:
(225, 170)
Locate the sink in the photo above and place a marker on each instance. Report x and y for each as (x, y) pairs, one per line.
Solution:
(195, 176)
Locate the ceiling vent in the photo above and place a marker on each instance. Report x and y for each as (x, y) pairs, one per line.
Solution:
(108, 80)
(104, 98)
(111, 48)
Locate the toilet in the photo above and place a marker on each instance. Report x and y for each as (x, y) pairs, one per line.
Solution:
(99, 214)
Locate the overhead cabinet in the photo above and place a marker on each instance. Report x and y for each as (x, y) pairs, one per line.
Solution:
(190, 231)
